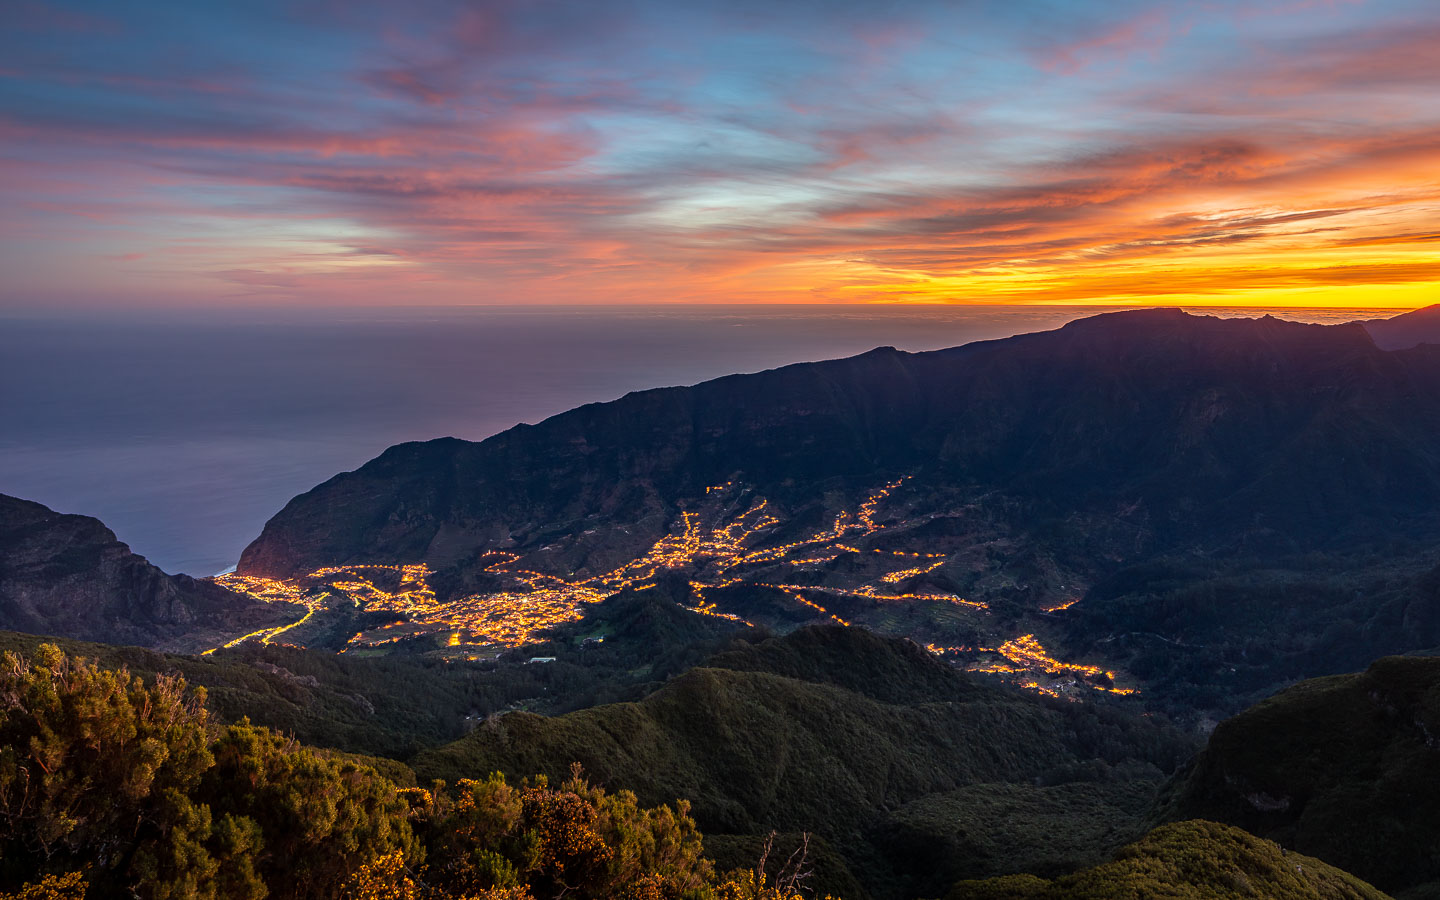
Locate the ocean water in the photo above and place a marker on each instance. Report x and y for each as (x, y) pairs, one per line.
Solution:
(184, 432)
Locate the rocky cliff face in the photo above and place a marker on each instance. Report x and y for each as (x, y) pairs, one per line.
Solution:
(1123, 434)
(69, 576)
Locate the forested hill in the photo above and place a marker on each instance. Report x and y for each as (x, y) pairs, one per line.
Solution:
(121, 786)
(901, 764)
(1343, 768)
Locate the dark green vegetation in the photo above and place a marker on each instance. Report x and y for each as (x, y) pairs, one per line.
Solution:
(907, 773)
(1343, 768)
(1246, 502)
(1202, 635)
(396, 705)
(1237, 505)
(827, 729)
(110, 787)
(126, 783)
(907, 725)
(1195, 859)
(995, 829)
(384, 707)
(110, 784)
(68, 575)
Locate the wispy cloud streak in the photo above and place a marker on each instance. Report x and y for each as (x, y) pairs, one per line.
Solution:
(507, 152)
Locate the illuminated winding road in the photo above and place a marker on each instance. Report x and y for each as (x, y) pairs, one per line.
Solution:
(717, 548)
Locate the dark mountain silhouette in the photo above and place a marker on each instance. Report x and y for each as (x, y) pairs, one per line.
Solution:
(68, 575)
(1421, 326)
(1228, 452)
(1158, 428)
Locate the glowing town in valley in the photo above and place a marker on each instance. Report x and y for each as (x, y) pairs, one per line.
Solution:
(715, 548)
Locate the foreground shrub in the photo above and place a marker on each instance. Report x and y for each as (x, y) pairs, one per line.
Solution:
(113, 787)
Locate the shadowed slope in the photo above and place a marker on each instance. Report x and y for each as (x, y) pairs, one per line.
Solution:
(1123, 432)
(755, 750)
(1197, 859)
(1342, 768)
(1421, 326)
(67, 575)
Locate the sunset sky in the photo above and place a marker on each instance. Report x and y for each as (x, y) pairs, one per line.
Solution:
(354, 153)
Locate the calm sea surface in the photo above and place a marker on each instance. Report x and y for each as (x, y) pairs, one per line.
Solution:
(185, 432)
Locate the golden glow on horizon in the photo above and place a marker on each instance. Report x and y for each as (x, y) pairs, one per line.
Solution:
(1264, 158)
(1286, 283)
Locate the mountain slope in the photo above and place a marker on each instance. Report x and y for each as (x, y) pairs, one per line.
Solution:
(67, 575)
(1343, 768)
(1190, 859)
(1159, 426)
(1421, 326)
(967, 498)
(755, 751)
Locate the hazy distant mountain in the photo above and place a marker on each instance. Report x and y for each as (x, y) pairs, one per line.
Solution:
(1421, 326)
(67, 575)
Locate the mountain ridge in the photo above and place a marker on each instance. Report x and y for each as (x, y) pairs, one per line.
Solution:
(68, 575)
(1011, 474)
(874, 414)
(1410, 329)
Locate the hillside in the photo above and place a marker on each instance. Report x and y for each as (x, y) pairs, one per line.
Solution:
(1020, 490)
(1420, 326)
(1199, 424)
(855, 727)
(1341, 768)
(388, 707)
(69, 576)
(135, 790)
(1222, 634)
(114, 786)
(398, 704)
(1194, 859)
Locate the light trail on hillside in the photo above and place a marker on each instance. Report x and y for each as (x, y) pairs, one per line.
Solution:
(715, 546)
